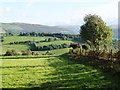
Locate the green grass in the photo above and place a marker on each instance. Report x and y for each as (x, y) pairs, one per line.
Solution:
(9, 39)
(60, 51)
(25, 47)
(19, 47)
(53, 73)
(15, 47)
(50, 72)
(55, 52)
(54, 42)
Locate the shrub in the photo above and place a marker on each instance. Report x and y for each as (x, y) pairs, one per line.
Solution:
(92, 53)
(64, 45)
(27, 52)
(50, 40)
(85, 47)
(37, 53)
(105, 56)
(117, 55)
(11, 53)
(11, 43)
(48, 53)
(73, 45)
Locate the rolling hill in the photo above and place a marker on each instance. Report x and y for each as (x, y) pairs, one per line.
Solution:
(25, 27)
(115, 30)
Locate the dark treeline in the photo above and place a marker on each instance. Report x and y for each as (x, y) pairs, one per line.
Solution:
(21, 42)
(48, 47)
(33, 41)
(58, 35)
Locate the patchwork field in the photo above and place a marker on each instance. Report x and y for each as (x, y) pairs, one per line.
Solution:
(19, 47)
(50, 72)
(14, 38)
(55, 42)
(56, 72)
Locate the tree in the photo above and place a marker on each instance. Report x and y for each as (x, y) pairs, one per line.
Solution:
(95, 32)
(50, 39)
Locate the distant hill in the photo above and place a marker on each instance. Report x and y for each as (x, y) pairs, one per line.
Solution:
(25, 27)
(115, 30)
(74, 28)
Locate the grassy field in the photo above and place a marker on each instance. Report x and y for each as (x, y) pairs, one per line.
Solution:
(14, 47)
(14, 38)
(50, 73)
(19, 47)
(54, 42)
(55, 52)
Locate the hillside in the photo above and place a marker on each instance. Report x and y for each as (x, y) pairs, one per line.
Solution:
(115, 30)
(74, 28)
(24, 27)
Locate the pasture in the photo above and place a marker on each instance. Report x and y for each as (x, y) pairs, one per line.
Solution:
(16, 38)
(55, 42)
(55, 72)
(19, 47)
(51, 72)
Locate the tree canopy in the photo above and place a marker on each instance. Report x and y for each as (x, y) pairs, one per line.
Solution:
(95, 31)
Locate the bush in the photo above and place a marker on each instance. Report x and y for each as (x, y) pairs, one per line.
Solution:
(37, 53)
(118, 53)
(86, 47)
(74, 45)
(50, 40)
(92, 53)
(27, 52)
(48, 53)
(11, 43)
(50, 47)
(118, 56)
(11, 53)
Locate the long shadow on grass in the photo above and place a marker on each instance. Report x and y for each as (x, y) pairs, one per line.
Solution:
(75, 75)
(26, 57)
(21, 66)
(71, 74)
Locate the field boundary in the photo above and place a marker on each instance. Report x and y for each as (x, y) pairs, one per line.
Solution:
(21, 57)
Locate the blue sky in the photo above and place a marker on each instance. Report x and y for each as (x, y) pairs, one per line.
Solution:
(57, 12)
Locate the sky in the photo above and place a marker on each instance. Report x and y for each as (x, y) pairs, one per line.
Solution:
(57, 12)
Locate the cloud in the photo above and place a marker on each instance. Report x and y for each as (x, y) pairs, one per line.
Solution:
(5, 11)
(107, 11)
(29, 4)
